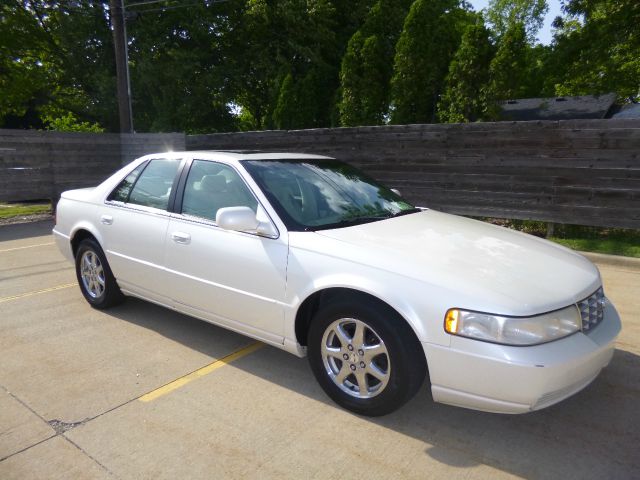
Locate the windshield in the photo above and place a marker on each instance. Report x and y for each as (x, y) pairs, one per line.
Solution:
(320, 194)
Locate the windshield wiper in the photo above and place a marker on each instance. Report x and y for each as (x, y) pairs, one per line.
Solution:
(359, 220)
(404, 212)
(348, 222)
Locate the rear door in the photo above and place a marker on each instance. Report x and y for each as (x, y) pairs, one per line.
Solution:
(134, 222)
(233, 278)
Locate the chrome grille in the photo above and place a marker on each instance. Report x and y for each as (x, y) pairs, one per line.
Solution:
(592, 309)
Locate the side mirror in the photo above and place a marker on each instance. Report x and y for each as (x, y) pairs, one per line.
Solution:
(243, 219)
(396, 191)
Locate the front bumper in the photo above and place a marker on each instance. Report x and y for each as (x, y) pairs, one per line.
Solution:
(504, 379)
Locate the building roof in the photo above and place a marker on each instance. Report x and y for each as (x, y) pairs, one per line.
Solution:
(557, 108)
(630, 110)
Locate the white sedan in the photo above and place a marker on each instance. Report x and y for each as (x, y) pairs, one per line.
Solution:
(308, 254)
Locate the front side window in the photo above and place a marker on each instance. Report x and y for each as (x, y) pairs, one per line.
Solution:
(153, 187)
(211, 186)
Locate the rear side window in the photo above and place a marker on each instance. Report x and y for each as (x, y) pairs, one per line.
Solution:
(153, 187)
(121, 193)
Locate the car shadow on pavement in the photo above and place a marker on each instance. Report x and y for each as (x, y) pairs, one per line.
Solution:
(594, 434)
(20, 231)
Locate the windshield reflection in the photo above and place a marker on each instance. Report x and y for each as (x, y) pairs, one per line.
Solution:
(320, 194)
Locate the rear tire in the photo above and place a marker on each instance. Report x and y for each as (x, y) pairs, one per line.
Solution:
(96, 281)
(365, 356)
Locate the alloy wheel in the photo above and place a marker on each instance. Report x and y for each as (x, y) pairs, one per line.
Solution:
(355, 358)
(92, 274)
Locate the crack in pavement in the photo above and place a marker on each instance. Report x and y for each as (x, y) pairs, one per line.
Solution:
(60, 428)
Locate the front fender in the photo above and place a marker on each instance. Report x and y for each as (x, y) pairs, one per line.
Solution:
(419, 304)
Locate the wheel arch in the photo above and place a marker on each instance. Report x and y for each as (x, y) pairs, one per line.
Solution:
(81, 232)
(310, 305)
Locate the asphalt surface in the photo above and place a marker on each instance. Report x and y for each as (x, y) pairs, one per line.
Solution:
(89, 394)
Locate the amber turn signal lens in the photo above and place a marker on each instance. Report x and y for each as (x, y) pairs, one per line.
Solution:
(451, 321)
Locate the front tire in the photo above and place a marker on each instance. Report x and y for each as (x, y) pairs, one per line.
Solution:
(96, 281)
(365, 356)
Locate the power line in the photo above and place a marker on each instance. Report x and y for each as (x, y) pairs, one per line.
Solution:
(205, 3)
(144, 3)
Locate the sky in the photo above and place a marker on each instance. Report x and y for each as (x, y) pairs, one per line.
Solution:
(544, 35)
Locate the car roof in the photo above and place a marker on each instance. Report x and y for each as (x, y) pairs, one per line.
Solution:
(243, 155)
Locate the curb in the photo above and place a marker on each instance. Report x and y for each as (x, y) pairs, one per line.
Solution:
(613, 260)
(23, 219)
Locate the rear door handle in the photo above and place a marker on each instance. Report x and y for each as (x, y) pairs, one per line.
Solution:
(106, 219)
(180, 237)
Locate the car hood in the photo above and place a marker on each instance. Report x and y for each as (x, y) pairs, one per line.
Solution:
(492, 267)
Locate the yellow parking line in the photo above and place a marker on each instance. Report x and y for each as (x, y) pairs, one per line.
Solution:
(171, 386)
(37, 292)
(28, 246)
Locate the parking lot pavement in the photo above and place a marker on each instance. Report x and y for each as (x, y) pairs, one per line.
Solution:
(73, 381)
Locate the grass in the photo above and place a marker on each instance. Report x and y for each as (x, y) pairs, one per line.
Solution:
(612, 241)
(612, 246)
(10, 210)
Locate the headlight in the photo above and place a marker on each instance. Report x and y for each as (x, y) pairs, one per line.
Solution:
(513, 330)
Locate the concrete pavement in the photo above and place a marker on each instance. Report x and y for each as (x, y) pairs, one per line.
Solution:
(71, 379)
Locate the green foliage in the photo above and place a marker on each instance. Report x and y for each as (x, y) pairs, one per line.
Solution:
(503, 14)
(55, 55)
(464, 98)
(367, 65)
(429, 39)
(623, 244)
(70, 123)
(296, 38)
(254, 64)
(175, 59)
(24, 70)
(306, 76)
(508, 69)
(303, 103)
(597, 49)
(11, 210)
(612, 241)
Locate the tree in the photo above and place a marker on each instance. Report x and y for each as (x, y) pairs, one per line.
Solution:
(55, 59)
(464, 98)
(367, 65)
(177, 63)
(508, 69)
(430, 36)
(296, 38)
(503, 14)
(307, 90)
(597, 49)
(69, 123)
(303, 104)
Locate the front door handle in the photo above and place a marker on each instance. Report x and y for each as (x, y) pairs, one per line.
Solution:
(180, 237)
(106, 219)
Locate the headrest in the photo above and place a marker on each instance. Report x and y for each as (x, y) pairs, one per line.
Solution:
(213, 183)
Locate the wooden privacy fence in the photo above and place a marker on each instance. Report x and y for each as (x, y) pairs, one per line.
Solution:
(578, 172)
(41, 165)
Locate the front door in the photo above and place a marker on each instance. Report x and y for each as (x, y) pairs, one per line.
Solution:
(233, 278)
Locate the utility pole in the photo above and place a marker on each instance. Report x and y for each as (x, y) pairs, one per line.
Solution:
(122, 65)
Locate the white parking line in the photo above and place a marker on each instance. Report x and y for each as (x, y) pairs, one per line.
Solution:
(37, 292)
(28, 246)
